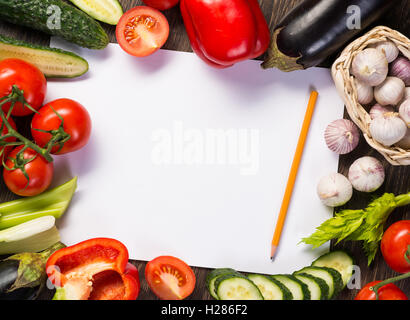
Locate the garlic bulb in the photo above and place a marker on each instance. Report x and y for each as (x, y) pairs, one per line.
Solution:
(390, 92)
(400, 68)
(388, 48)
(334, 190)
(366, 174)
(404, 112)
(405, 142)
(342, 136)
(364, 92)
(370, 66)
(406, 93)
(377, 110)
(388, 129)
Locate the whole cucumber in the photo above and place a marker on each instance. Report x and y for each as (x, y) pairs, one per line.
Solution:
(55, 17)
(316, 29)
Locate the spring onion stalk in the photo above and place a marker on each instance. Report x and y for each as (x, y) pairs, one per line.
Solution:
(53, 202)
(32, 236)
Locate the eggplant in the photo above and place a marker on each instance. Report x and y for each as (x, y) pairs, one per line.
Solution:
(22, 276)
(316, 29)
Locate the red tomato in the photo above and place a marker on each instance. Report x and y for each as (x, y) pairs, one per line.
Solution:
(39, 170)
(387, 292)
(77, 124)
(161, 4)
(11, 139)
(142, 30)
(395, 246)
(170, 278)
(27, 78)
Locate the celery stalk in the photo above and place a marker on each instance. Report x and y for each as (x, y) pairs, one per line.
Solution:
(53, 202)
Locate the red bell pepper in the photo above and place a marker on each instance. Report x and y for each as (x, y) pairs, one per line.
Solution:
(96, 269)
(224, 32)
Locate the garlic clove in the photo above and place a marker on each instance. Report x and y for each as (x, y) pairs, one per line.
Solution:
(334, 190)
(388, 129)
(370, 66)
(377, 110)
(404, 112)
(342, 136)
(364, 92)
(366, 174)
(389, 49)
(390, 92)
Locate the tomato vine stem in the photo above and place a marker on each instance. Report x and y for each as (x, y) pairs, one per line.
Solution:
(376, 288)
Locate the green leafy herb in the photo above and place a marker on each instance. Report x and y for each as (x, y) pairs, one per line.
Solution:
(365, 225)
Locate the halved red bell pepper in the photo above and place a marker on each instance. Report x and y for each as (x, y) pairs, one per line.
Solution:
(95, 269)
(224, 32)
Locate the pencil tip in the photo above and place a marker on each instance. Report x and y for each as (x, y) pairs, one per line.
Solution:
(273, 252)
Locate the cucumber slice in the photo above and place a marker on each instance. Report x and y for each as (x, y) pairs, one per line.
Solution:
(108, 11)
(332, 278)
(236, 287)
(299, 290)
(339, 260)
(270, 288)
(54, 63)
(318, 288)
(213, 275)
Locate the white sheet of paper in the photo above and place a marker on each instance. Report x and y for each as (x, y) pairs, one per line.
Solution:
(190, 161)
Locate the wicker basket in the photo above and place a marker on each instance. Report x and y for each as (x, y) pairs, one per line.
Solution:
(345, 85)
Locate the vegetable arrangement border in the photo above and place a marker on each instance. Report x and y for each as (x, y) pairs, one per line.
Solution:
(345, 85)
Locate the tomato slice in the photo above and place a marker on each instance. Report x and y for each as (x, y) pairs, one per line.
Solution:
(170, 278)
(142, 30)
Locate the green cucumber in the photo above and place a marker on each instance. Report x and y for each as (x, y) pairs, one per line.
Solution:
(108, 11)
(236, 287)
(54, 63)
(55, 17)
(299, 290)
(339, 260)
(331, 276)
(270, 288)
(318, 288)
(215, 274)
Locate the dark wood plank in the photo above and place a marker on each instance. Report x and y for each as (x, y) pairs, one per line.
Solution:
(397, 180)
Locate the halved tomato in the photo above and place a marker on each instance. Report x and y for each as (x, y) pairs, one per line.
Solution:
(170, 278)
(142, 30)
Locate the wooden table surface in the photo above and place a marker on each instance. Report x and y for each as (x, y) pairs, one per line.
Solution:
(397, 178)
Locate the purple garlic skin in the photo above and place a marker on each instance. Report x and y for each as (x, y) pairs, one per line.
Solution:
(400, 68)
(342, 136)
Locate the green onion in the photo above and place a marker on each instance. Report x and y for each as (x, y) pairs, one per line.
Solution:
(32, 236)
(50, 203)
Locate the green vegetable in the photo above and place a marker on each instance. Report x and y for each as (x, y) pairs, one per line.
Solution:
(338, 260)
(270, 288)
(54, 63)
(318, 288)
(215, 274)
(55, 17)
(365, 225)
(53, 202)
(299, 290)
(32, 236)
(236, 287)
(108, 11)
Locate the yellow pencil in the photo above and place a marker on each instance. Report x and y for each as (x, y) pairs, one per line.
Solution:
(293, 173)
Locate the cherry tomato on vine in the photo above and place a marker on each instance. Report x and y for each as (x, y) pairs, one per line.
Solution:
(7, 149)
(77, 124)
(170, 278)
(161, 4)
(387, 292)
(28, 78)
(39, 171)
(142, 30)
(395, 246)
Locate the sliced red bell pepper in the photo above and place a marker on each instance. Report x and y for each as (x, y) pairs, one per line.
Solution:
(224, 32)
(95, 269)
